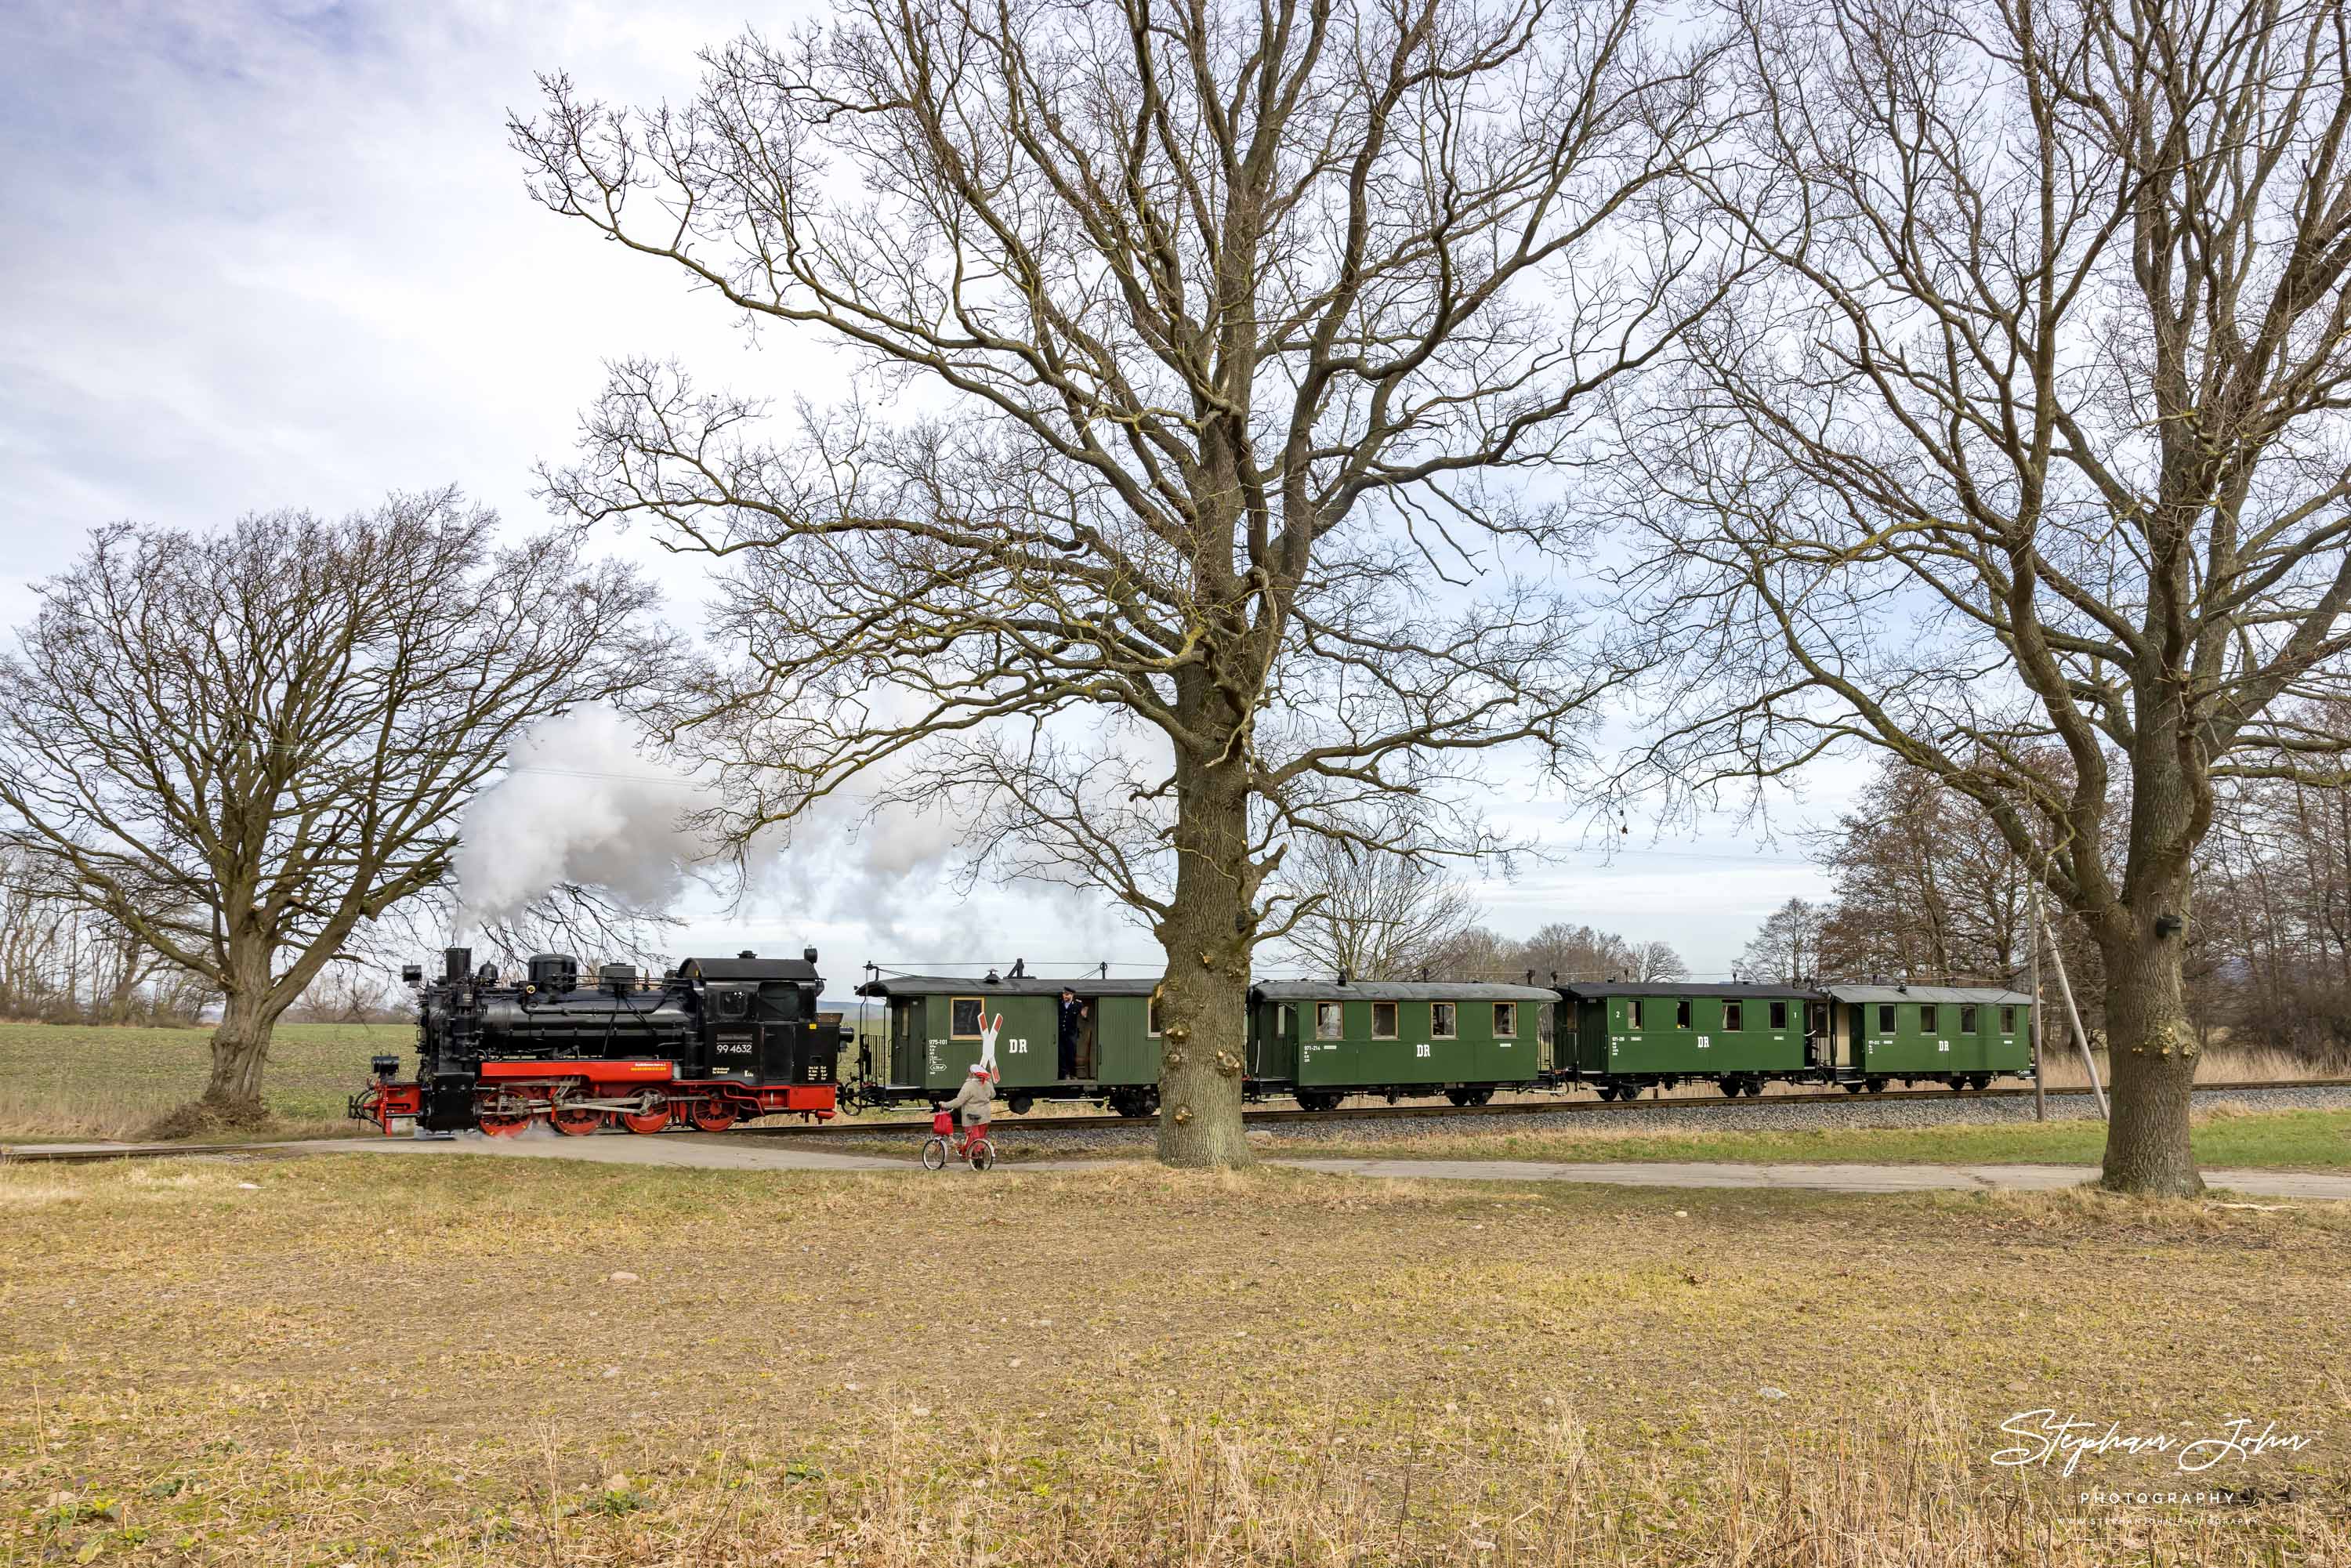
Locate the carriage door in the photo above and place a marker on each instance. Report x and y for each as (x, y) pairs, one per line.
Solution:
(1820, 1039)
(906, 1050)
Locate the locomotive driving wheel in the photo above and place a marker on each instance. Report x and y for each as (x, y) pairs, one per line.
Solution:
(651, 1119)
(575, 1122)
(712, 1116)
(501, 1124)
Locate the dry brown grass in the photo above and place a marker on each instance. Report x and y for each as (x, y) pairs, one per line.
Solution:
(358, 1357)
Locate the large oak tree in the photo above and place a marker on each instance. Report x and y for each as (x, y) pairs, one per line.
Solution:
(2023, 456)
(244, 746)
(1202, 346)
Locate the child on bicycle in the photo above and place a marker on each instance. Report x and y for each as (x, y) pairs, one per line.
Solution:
(971, 1102)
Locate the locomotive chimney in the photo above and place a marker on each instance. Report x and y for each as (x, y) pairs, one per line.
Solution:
(456, 963)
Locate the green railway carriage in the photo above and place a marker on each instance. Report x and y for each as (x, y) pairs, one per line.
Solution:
(1959, 1035)
(1627, 1036)
(1325, 1039)
(933, 1037)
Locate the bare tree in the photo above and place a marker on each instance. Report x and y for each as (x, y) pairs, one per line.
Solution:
(2026, 435)
(1370, 913)
(1658, 961)
(1926, 887)
(1568, 953)
(244, 746)
(1787, 946)
(1196, 346)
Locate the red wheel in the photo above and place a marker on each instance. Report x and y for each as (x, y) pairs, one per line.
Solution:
(652, 1121)
(713, 1116)
(576, 1123)
(502, 1126)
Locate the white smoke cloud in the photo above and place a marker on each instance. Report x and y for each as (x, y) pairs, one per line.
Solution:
(582, 802)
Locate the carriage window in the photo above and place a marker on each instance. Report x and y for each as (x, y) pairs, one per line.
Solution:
(1151, 1016)
(1285, 1023)
(1967, 1021)
(1383, 1020)
(2007, 1020)
(1506, 1021)
(966, 1011)
(1779, 1015)
(1886, 1017)
(1681, 1013)
(1330, 1021)
(1633, 1012)
(1927, 1024)
(1734, 1018)
(1440, 1020)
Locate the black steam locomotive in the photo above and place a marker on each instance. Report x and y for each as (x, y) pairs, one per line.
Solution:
(713, 1042)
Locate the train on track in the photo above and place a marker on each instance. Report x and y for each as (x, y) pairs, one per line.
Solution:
(719, 1040)
(713, 1042)
(1323, 1042)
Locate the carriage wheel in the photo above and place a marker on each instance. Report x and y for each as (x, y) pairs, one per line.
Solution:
(574, 1123)
(713, 1116)
(652, 1121)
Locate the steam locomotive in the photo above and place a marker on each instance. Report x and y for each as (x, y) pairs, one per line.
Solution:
(713, 1042)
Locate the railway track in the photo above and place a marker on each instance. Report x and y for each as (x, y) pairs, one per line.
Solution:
(853, 1128)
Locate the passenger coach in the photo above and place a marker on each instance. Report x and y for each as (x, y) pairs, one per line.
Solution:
(1630, 1036)
(1322, 1040)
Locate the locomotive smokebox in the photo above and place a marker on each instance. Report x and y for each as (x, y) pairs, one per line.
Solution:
(617, 979)
(456, 963)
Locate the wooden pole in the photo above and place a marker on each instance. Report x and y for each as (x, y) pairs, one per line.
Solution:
(2040, 1076)
(2081, 1035)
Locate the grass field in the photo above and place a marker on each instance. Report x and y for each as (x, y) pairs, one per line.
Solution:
(2225, 1135)
(92, 1080)
(370, 1359)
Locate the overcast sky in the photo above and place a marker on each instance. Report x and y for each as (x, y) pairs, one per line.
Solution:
(262, 255)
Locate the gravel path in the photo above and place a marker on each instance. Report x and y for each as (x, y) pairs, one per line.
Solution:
(1764, 1115)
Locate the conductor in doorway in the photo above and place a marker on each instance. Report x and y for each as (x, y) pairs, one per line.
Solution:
(1073, 1023)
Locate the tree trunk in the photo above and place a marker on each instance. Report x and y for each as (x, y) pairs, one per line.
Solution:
(241, 1044)
(1203, 998)
(2151, 1052)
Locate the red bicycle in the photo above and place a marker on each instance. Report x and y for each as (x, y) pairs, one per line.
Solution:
(971, 1145)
